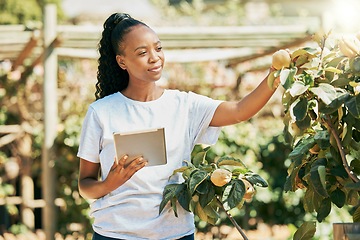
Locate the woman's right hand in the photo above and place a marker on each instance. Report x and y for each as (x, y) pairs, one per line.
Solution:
(120, 172)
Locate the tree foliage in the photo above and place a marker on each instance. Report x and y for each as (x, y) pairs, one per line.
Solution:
(25, 12)
(322, 124)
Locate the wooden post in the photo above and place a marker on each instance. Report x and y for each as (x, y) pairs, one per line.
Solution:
(49, 213)
(346, 231)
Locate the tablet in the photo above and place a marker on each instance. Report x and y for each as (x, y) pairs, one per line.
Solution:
(149, 143)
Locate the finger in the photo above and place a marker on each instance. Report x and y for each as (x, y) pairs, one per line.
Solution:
(113, 167)
(122, 162)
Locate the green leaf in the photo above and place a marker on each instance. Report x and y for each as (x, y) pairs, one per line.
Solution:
(306, 231)
(168, 193)
(309, 200)
(335, 104)
(256, 180)
(211, 212)
(340, 82)
(196, 178)
(287, 77)
(298, 109)
(353, 104)
(199, 211)
(324, 209)
(322, 138)
(298, 88)
(304, 51)
(353, 186)
(356, 215)
(183, 197)
(199, 158)
(317, 177)
(302, 148)
(227, 160)
(338, 197)
(233, 194)
(333, 70)
(325, 92)
(207, 197)
(355, 166)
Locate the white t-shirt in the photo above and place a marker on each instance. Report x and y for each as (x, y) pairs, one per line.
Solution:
(132, 210)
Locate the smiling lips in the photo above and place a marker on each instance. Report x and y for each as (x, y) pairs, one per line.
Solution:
(156, 69)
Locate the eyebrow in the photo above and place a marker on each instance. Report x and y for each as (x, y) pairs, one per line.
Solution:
(145, 46)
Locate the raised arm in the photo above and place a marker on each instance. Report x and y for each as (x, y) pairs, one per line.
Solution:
(233, 112)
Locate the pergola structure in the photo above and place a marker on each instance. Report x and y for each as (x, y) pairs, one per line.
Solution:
(27, 48)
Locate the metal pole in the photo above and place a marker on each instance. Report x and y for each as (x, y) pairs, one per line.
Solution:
(49, 213)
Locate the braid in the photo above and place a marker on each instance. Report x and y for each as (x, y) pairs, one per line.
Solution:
(111, 78)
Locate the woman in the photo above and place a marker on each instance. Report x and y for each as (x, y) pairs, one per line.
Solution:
(128, 98)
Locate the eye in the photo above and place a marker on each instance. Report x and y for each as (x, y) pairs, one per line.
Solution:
(159, 48)
(142, 53)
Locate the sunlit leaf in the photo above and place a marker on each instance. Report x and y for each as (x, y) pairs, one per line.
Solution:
(226, 160)
(325, 92)
(333, 69)
(287, 77)
(306, 231)
(335, 104)
(199, 211)
(298, 88)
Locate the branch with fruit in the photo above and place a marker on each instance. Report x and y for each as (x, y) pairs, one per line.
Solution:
(322, 123)
(211, 185)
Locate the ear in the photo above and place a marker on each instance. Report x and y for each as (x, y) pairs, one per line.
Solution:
(120, 61)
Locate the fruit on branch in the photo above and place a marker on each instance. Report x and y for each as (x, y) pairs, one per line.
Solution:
(281, 59)
(249, 190)
(220, 177)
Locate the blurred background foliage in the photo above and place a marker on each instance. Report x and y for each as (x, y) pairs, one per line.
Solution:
(258, 142)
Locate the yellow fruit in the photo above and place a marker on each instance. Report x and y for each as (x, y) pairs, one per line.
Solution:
(249, 190)
(280, 59)
(220, 177)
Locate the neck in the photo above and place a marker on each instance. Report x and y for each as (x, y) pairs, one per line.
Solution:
(143, 94)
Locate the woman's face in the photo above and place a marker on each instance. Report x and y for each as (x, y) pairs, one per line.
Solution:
(142, 56)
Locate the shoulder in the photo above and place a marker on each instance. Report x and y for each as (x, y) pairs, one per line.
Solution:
(105, 101)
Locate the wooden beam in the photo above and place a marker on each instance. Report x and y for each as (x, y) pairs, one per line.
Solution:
(271, 50)
(27, 49)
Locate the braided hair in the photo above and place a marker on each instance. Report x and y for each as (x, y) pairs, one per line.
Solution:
(111, 78)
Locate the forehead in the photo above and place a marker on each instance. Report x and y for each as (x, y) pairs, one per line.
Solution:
(140, 35)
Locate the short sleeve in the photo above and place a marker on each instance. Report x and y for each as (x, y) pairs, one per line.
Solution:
(90, 138)
(201, 113)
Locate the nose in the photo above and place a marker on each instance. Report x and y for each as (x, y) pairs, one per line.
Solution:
(154, 56)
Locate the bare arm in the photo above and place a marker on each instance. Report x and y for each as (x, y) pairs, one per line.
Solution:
(237, 111)
(91, 187)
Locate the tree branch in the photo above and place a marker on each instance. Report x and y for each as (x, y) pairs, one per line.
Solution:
(330, 127)
(232, 220)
